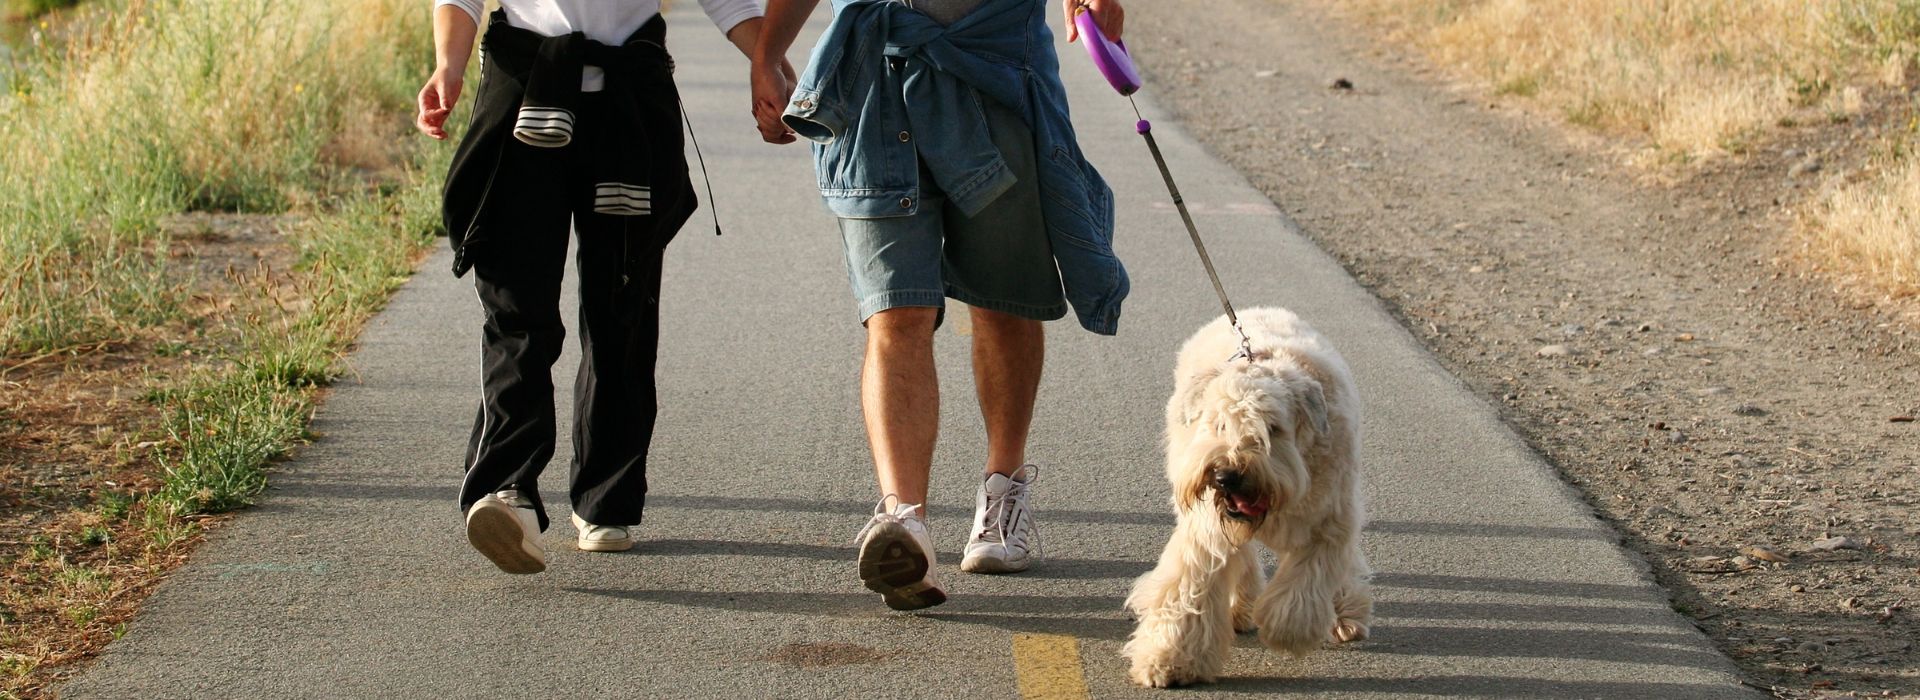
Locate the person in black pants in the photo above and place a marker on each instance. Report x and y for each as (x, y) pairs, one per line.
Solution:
(569, 130)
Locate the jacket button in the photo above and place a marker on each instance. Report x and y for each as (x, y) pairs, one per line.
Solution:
(804, 104)
(905, 137)
(906, 202)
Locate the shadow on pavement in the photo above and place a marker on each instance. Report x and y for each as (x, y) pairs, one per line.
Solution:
(1516, 586)
(1102, 618)
(1048, 568)
(1476, 686)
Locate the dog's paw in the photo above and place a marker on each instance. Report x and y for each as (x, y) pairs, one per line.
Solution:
(1162, 675)
(1348, 630)
(1298, 635)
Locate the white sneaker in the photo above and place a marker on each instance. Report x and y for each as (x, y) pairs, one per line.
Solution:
(601, 538)
(1005, 539)
(504, 527)
(896, 557)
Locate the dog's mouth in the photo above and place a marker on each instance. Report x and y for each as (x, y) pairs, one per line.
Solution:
(1242, 506)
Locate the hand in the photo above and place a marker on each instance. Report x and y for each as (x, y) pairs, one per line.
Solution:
(1107, 14)
(437, 99)
(772, 89)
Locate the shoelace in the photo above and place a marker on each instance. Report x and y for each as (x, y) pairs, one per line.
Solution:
(998, 513)
(900, 511)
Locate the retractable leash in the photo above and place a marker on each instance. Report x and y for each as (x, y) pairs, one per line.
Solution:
(1116, 64)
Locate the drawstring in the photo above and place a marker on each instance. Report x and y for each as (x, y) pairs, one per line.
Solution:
(713, 206)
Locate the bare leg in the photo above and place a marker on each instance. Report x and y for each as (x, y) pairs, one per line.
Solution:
(900, 395)
(1008, 354)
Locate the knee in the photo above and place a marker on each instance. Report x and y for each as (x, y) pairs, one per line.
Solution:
(902, 327)
(1004, 323)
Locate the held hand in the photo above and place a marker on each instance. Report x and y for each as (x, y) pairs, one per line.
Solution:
(1107, 14)
(437, 99)
(772, 88)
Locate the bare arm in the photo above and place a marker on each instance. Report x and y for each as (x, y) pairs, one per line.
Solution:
(453, 32)
(772, 89)
(746, 37)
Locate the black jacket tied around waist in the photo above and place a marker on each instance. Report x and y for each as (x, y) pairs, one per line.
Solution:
(530, 98)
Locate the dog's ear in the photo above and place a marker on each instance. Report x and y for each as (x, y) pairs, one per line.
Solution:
(1190, 402)
(1313, 403)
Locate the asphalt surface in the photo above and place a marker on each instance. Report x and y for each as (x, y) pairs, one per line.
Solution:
(352, 579)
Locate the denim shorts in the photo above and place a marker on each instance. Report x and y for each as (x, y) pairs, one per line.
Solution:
(999, 259)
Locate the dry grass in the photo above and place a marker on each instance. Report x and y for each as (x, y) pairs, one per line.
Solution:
(1681, 81)
(1872, 227)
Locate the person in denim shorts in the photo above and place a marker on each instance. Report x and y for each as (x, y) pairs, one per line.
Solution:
(974, 214)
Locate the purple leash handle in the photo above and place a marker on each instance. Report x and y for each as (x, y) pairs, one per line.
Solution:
(1110, 57)
(1116, 65)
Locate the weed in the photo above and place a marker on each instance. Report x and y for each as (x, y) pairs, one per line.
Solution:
(113, 505)
(1524, 85)
(40, 548)
(95, 535)
(80, 615)
(224, 431)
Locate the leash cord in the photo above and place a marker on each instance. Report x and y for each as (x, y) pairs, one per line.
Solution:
(1179, 202)
(713, 206)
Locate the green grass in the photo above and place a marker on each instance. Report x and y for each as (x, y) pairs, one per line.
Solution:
(158, 107)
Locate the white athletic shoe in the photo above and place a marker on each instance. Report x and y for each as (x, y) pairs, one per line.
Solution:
(896, 557)
(1005, 539)
(601, 538)
(504, 527)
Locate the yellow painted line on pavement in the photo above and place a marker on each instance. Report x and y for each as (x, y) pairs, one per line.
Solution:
(1048, 667)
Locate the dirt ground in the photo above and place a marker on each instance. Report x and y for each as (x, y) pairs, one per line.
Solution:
(1745, 421)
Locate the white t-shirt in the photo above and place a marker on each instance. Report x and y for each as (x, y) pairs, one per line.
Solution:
(606, 21)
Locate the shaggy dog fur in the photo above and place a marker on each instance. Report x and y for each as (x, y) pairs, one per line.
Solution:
(1259, 450)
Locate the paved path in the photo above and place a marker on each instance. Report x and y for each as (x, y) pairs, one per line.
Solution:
(352, 579)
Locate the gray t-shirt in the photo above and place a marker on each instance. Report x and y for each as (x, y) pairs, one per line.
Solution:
(945, 11)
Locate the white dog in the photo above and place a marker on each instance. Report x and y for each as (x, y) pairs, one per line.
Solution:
(1259, 449)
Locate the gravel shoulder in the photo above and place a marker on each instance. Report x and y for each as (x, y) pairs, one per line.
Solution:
(1719, 403)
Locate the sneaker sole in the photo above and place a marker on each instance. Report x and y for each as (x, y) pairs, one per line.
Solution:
(984, 565)
(494, 530)
(892, 565)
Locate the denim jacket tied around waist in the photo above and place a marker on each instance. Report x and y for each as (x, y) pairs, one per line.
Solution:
(883, 75)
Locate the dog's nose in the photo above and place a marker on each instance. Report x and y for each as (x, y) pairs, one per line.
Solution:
(1227, 479)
